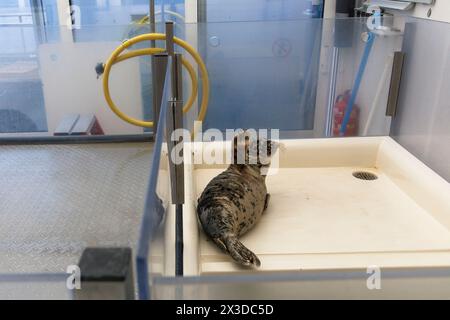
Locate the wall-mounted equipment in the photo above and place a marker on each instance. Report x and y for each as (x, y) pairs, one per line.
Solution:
(403, 5)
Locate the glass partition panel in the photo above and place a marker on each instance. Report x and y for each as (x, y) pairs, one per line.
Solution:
(423, 114)
(288, 75)
(34, 286)
(333, 70)
(261, 10)
(298, 76)
(364, 67)
(45, 85)
(263, 74)
(427, 283)
(155, 255)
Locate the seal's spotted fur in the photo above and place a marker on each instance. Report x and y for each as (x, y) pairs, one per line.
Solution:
(233, 202)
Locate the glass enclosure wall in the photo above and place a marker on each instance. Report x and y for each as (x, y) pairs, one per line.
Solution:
(423, 115)
(372, 78)
(21, 96)
(261, 10)
(347, 51)
(268, 73)
(284, 57)
(106, 13)
(258, 78)
(58, 80)
(27, 13)
(304, 285)
(15, 12)
(44, 286)
(125, 19)
(153, 251)
(264, 74)
(279, 74)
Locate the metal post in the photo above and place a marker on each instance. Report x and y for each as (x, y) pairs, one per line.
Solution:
(175, 121)
(177, 77)
(176, 167)
(202, 36)
(179, 242)
(38, 17)
(201, 11)
(159, 67)
(169, 39)
(332, 92)
(157, 74)
(152, 21)
(106, 274)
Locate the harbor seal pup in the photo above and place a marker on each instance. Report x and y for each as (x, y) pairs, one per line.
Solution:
(234, 201)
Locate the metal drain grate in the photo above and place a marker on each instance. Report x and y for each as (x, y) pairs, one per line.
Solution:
(364, 175)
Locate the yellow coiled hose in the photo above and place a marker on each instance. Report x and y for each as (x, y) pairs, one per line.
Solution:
(117, 57)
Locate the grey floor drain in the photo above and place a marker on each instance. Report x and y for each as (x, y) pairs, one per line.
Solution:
(364, 175)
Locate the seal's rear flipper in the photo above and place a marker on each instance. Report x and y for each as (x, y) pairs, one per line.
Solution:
(220, 244)
(240, 253)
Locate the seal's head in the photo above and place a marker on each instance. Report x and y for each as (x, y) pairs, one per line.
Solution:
(251, 149)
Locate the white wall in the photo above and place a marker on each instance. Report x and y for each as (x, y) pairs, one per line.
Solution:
(70, 85)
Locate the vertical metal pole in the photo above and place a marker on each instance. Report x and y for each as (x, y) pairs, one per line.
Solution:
(179, 238)
(159, 67)
(177, 77)
(175, 121)
(177, 93)
(202, 36)
(179, 243)
(158, 75)
(152, 21)
(332, 92)
(37, 12)
(169, 39)
(201, 11)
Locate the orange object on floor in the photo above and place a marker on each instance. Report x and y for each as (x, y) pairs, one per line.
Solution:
(338, 116)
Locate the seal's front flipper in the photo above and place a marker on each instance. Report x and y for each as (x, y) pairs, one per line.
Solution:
(240, 253)
(266, 202)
